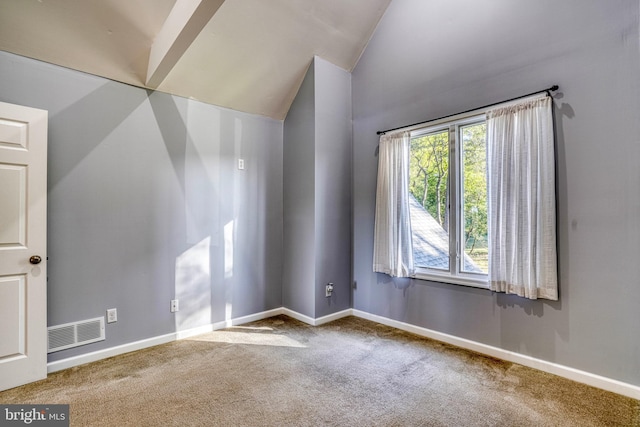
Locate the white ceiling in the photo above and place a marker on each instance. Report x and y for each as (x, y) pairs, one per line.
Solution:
(248, 55)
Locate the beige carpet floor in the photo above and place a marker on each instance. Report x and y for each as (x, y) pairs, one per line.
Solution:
(351, 372)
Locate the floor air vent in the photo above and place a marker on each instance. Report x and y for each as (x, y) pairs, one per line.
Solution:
(75, 334)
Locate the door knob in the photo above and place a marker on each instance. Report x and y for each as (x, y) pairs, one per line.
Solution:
(36, 259)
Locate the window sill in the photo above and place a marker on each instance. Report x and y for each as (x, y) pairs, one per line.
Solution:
(473, 282)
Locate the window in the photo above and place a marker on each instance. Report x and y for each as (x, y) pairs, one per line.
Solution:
(470, 199)
(448, 201)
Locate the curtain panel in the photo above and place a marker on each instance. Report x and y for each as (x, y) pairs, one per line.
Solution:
(521, 190)
(392, 249)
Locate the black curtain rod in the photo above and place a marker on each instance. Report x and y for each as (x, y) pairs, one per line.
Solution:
(549, 90)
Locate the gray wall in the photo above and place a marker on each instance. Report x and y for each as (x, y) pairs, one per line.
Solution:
(299, 253)
(317, 181)
(430, 59)
(333, 186)
(146, 204)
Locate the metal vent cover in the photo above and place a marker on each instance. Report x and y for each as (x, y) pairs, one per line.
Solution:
(75, 334)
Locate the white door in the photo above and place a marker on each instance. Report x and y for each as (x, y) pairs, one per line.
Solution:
(23, 244)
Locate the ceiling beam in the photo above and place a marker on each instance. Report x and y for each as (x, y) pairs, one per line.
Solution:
(185, 21)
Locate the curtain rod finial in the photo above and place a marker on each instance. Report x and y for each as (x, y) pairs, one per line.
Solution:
(554, 87)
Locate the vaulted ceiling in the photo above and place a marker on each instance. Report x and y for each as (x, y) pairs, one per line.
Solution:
(247, 55)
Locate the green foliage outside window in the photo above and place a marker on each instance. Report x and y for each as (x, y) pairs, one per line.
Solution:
(429, 174)
(429, 184)
(475, 193)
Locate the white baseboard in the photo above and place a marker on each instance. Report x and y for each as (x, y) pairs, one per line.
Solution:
(301, 317)
(577, 375)
(333, 316)
(188, 333)
(320, 320)
(246, 319)
(94, 356)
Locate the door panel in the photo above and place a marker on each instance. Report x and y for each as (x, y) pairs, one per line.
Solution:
(23, 220)
(13, 134)
(12, 304)
(13, 205)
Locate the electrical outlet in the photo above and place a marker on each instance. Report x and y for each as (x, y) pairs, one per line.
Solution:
(174, 305)
(241, 164)
(328, 290)
(112, 315)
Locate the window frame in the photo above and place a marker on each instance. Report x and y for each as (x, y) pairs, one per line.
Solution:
(454, 275)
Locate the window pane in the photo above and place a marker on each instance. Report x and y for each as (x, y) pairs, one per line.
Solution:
(474, 198)
(429, 194)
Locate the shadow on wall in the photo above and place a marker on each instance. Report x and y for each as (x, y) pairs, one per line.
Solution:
(190, 156)
(395, 306)
(221, 228)
(86, 198)
(191, 134)
(173, 130)
(402, 283)
(86, 123)
(529, 306)
(562, 204)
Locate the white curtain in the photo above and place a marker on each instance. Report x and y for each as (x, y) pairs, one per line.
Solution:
(522, 210)
(392, 250)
